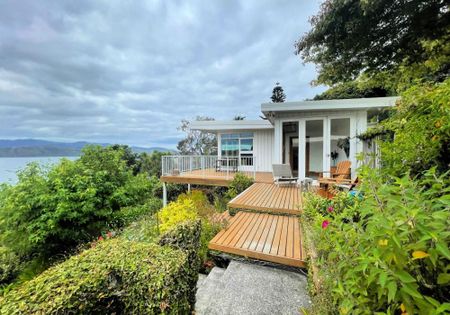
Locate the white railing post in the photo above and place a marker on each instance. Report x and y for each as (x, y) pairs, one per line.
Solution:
(164, 194)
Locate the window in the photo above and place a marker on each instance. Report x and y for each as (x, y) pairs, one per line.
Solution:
(230, 147)
(238, 145)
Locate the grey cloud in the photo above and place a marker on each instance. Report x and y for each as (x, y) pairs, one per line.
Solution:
(119, 71)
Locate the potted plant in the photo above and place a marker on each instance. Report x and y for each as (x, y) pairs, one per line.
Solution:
(334, 156)
(344, 144)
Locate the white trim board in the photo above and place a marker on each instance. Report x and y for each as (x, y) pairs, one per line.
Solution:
(344, 104)
(221, 125)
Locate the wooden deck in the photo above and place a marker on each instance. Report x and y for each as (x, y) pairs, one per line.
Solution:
(212, 177)
(274, 238)
(269, 198)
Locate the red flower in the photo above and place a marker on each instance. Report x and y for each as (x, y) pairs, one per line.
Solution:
(330, 209)
(100, 238)
(325, 224)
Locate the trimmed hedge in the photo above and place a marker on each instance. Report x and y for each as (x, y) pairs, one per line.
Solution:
(116, 276)
(186, 237)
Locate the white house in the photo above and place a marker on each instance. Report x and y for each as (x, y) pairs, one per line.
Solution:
(311, 136)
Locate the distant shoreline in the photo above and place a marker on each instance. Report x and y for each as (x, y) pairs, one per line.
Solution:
(39, 156)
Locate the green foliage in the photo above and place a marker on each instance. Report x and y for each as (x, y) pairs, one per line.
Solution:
(51, 211)
(354, 89)
(351, 37)
(278, 95)
(388, 250)
(176, 212)
(128, 215)
(239, 183)
(421, 125)
(9, 264)
(150, 163)
(196, 141)
(115, 276)
(188, 207)
(143, 230)
(186, 237)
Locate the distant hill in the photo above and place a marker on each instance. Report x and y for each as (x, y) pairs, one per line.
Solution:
(36, 148)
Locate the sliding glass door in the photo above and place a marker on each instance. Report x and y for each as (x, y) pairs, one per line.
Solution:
(314, 147)
(324, 142)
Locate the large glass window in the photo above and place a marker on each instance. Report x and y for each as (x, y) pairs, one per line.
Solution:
(238, 145)
(247, 145)
(230, 147)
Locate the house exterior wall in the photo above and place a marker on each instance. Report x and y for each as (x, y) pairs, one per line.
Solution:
(262, 147)
(358, 124)
(263, 150)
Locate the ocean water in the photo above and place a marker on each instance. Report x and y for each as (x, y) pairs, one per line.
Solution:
(9, 166)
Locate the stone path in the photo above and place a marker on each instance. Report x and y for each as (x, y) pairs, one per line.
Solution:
(245, 288)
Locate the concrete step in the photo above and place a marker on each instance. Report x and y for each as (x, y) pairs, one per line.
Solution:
(208, 289)
(252, 289)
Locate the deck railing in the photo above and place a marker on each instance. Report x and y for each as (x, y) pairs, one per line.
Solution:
(208, 165)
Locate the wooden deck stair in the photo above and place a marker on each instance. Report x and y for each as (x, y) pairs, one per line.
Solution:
(269, 198)
(274, 238)
(271, 232)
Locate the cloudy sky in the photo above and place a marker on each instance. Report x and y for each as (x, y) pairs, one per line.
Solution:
(129, 71)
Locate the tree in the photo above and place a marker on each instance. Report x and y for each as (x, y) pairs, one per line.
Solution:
(52, 211)
(239, 117)
(350, 37)
(353, 89)
(197, 141)
(278, 95)
(150, 163)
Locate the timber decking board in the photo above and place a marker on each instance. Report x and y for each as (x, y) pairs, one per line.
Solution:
(274, 238)
(269, 198)
(212, 177)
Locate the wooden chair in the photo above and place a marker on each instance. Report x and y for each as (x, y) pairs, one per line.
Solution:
(340, 176)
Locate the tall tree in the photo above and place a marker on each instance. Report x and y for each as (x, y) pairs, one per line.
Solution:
(239, 117)
(350, 37)
(197, 141)
(278, 95)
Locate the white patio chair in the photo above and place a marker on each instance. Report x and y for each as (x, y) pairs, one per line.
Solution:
(282, 174)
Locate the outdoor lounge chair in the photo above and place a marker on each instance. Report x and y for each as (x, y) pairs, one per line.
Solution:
(282, 174)
(340, 176)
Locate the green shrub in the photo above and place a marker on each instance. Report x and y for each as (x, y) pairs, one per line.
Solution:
(52, 211)
(128, 215)
(389, 251)
(239, 183)
(175, 213)
(9, 264)
(142, 230)
(186, 237)
(421, 125)
(188, 207)
(116, 276)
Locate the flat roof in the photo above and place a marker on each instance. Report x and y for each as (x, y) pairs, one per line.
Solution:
(217, 125)
(353, 103)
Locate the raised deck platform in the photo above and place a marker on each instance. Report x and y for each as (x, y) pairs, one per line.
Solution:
(274, 238)
(212, 177)
(269, 198)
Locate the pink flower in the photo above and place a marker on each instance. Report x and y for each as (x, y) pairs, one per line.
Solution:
(330, 209)
(109, 234)
(100, 238)
(325, 224)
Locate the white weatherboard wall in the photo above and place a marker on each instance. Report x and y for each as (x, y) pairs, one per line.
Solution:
(263, 149)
